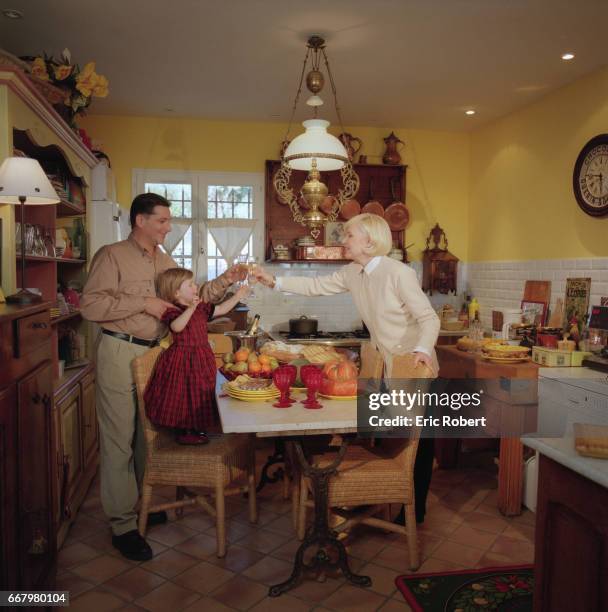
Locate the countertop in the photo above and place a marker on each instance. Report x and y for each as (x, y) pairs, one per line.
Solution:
(585, 378)
(562, 450)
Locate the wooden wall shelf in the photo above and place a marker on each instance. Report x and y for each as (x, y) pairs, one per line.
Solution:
(41, 259)
(375, 183)
(66, 317)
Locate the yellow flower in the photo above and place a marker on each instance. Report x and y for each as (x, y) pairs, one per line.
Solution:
(477, 587)
(63, 72)
(480, 601)
(86, 80)
(101, 87)
(39, 69)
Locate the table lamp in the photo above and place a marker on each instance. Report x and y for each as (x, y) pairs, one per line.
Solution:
(23, 182)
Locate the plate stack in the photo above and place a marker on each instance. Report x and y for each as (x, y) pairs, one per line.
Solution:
(505, 353)
(249, 389)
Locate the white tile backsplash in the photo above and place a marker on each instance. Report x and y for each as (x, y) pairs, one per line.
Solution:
(495, 284)
(335, 313)
(507, 279)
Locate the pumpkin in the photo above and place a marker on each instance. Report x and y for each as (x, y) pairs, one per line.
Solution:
(339, 378)
(340, 370)
(339, 387)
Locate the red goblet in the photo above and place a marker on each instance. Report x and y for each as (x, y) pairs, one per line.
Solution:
(294, 373)
(312, 377)
(282, 377)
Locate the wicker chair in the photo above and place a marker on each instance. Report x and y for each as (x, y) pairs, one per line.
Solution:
(372, 363)
(375, 477)
(212, 467)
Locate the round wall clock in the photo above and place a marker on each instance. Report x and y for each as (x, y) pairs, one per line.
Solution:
(590, 178)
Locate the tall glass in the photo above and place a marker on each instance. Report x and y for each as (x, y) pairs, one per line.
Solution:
(252, 264)
(312, 377)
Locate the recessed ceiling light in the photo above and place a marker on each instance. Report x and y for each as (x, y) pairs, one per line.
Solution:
(12, 14)
(168, 110)
(469, 112)
(568, 56)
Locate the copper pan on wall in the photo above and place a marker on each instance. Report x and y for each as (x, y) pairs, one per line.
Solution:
(373, 206)
(397, 215)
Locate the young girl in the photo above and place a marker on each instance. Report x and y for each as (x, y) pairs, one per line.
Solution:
(181, 392)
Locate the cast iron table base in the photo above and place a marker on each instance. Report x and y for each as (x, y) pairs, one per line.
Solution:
(277, 457)
(320, 534)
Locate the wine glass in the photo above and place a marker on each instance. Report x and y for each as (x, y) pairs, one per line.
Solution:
(252, 263)
(293, 372)
(241, 262)
(281, 378)
(312, 377)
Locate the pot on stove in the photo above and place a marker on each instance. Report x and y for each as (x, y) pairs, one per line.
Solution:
(303, 326)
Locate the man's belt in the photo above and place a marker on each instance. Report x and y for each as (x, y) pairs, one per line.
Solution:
(133, 339)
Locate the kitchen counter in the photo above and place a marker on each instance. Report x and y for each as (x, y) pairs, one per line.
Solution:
(563, 452)
(584, 378)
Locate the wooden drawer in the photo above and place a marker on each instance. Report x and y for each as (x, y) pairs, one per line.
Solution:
(31, 332)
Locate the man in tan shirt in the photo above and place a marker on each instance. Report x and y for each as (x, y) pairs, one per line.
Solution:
(120, 296)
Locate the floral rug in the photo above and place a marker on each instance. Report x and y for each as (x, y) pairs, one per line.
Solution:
(506, 588)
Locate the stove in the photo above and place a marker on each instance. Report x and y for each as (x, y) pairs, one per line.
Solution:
(345, 338)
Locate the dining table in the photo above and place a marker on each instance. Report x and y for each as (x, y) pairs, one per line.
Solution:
(336, 418)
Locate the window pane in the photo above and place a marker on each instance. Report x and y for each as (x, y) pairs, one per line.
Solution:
(211, 210)
(180, 196)
(241, 211)
(211, 246)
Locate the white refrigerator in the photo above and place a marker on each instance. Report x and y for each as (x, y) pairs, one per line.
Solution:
(105, 215)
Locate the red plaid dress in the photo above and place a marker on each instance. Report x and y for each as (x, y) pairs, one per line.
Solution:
(181, 392)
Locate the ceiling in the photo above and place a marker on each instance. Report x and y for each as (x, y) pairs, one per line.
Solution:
(403, 63)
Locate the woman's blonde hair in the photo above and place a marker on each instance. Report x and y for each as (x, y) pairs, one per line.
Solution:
(377, 230)
(169, 281)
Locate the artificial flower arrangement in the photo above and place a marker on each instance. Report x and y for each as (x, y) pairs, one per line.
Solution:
(78, 85)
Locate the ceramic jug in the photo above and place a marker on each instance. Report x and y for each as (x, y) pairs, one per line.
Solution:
(391, 156)
(349, 141)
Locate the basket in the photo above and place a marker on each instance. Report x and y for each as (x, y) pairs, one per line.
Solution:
(452, 325)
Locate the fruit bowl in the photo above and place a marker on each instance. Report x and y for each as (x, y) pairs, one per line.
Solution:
(230, 375)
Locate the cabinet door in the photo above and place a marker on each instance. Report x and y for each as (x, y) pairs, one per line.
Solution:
(36, 533)
(89, 418)
(69, 411)
(8, 465)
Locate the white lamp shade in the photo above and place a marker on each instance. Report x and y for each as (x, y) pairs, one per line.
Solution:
(23, 176)
(315, 140)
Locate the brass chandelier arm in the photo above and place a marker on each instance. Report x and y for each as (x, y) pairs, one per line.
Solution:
(297, 98)
(334, 91)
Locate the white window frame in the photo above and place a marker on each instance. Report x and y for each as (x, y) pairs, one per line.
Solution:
(200, 181)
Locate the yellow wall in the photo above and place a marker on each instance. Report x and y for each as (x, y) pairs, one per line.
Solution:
(437, 176)
(522, 203)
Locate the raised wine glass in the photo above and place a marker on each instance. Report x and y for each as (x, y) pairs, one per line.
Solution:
(252, 264)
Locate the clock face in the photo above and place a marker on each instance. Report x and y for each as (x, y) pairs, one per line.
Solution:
(590, 179)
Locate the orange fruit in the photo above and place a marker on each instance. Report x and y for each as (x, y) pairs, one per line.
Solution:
(241, 355)
(264, 359)
(254, 367)
(266, 368)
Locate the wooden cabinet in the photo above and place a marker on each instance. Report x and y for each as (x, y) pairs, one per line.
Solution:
(30, 126)
(90, 431)
(77, 447)
(36, 546)
(378, 182)
(28, 548)
(571, 541)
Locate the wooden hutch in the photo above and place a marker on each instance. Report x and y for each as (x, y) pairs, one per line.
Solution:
(379, 182)
(48, 425)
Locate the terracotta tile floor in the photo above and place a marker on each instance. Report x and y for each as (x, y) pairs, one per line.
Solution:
(463, 529)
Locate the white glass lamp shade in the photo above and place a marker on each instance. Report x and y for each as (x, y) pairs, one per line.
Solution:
(314, 141)
(22, 176)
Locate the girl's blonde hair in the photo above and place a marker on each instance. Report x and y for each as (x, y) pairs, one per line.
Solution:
(169, 281)
(377, 230)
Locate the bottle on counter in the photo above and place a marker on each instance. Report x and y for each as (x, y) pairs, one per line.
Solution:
(253, 328)
(473, 310)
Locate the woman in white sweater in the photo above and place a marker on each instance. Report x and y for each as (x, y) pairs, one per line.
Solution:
(396, 311)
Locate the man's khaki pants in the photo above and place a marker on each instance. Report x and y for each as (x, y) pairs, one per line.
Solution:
(120, 432)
